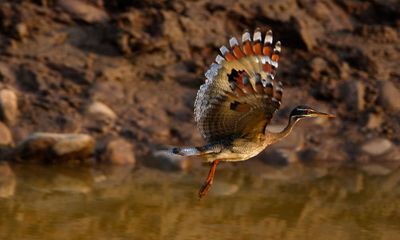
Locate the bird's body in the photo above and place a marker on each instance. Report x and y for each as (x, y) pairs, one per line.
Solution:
(237, 102)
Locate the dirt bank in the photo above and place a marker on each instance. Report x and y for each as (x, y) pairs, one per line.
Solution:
(129, 72)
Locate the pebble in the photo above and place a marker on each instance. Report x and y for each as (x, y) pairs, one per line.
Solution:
(99, 117)
(375, 120)
(377, 146)
(6, 74)
(8, 106)
(100, 109)
(318, 64)
(84, 11)
(120, 152)
(390, 96)
(22, 31)
(47, 146)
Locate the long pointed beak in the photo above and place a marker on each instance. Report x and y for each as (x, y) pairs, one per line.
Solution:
(322, 114)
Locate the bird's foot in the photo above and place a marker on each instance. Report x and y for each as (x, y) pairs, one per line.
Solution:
(204, 189)
(210, 178)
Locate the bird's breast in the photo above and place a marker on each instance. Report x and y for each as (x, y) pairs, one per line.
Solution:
(239, 150)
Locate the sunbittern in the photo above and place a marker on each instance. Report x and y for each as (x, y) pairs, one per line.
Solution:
(237, 101)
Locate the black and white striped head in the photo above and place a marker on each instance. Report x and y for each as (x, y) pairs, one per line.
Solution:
(300, 112)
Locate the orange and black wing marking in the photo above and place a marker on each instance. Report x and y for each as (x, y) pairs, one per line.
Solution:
(240, 94)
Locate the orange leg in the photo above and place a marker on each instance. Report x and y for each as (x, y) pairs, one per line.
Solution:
(207, 185)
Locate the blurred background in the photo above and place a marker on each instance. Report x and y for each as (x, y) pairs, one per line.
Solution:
(92, 90)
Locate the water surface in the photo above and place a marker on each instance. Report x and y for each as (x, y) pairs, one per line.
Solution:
(248, 201)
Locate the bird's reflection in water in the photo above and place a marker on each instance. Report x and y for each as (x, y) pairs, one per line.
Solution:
(253, 201)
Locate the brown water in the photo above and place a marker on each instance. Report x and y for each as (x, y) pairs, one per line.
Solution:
(248, 201)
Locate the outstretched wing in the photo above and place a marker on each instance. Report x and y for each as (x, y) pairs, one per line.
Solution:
(238, 98)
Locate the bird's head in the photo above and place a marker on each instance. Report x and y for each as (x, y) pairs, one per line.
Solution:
(300, 112)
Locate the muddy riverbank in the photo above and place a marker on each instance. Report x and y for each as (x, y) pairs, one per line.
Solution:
(115, 81)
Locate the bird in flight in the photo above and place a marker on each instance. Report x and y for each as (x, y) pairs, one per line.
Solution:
(237, 102)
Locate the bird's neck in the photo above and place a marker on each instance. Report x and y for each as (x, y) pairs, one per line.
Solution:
(274, 137)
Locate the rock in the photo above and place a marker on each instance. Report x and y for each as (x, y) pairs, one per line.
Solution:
(375, 120)
(6, 74)
(393, 155)
(8, 106)
(84, 11)
(390, 96)
(377, 146)
(119, 151)
(5, 136)
(318, 64)
(100, 110)
(344, 70)
(7, 181)
(50, 146)
(22, 31)
(353, 92)
(99, 117)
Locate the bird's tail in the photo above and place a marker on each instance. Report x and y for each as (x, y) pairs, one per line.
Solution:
(197, 151)
(187, 151)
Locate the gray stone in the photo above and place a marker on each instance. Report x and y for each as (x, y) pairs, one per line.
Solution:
(8, 106)
(390, 96)
(5, 136)
(50, 146)
(377, 146)
(119, 151)
(7, 181)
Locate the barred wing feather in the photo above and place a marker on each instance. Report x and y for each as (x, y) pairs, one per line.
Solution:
(240, 94)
